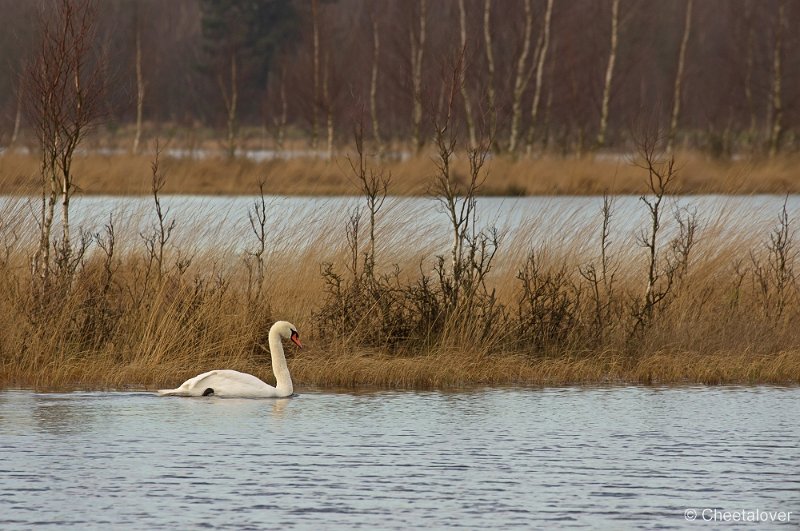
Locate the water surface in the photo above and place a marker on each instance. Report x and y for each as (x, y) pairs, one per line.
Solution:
(615, 458)
(222, 223)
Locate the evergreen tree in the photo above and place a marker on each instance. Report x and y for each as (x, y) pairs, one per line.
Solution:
(240, 38)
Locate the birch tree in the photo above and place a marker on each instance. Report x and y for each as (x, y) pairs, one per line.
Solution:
(62, 91)
(777, 76)
(490, 91)
(17, 118)
(612, 58)
(373, 86)
(327, 103)
(541, 57)
(676, 94)
(749, 67)
(140, 85)
(462, 12)
(521, 79)
(315, 66)
(417, 40)
(279, 119)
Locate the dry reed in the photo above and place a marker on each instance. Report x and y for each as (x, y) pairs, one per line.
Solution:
(117, 326)
(122, 174)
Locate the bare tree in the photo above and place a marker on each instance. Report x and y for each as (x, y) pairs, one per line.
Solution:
(417, 39)
(491, 95)
(156, 241)
(541, 57)
(612, 58)
(63, 91)
(472, 250)
(257, 216)
(776, 279)
(662, 272)
(676, 93)
(374, 186)
(777, 75)
(462, 12)
(749, 67)
(230, 96)
(327, 104)
(601, 282)
(140, 84)
(521, 79)
(315, 65)
(282, 120)
(17, 118)
(373, 86)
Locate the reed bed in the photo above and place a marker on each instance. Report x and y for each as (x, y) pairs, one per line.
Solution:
(123, 174)
(385, 316)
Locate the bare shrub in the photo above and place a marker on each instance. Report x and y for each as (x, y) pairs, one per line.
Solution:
(549, 304)
(156, 240)
(605, 305)
(62, 89)
(254, 261)
(774, 276)
(662, 271)
(363, 304)
(462, 281)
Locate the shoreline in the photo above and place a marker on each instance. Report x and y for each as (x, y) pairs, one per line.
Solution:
(545, 175)
(435, 372)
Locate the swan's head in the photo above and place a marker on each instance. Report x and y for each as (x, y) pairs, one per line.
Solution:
(288, 331)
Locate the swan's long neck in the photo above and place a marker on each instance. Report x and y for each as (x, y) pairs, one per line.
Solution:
(279, 368)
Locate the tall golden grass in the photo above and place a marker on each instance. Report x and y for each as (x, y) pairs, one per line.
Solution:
(113, 324)
(123, 174)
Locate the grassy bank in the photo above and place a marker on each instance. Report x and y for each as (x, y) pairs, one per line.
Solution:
(548, 174)
(126, 316)
(682, 298)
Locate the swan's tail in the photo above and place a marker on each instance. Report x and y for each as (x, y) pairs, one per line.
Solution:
(172, 392)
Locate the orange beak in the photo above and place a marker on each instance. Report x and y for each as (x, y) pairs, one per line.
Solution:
(296, 339)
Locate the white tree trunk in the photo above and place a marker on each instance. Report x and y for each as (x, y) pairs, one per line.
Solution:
(473, 142)
(676, 98)
(490, 92)
(139, 85)
(777, 71)
(417, 52)
(521, 79)
(373, 86)
(315, 103)
(284, 114)
(540, 61)
(66, 244)
(612, 58)
(17, 117)
(231, 103)
(326, 98)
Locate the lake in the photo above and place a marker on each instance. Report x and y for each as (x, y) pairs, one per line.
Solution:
(570, 223)
(613, 458)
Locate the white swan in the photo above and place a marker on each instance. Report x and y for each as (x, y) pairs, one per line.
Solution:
(235, 384)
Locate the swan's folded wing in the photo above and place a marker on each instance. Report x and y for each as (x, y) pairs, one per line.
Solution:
(228, 383)
(187, 388)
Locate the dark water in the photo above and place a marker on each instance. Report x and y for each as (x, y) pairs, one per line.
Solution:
(614, 458)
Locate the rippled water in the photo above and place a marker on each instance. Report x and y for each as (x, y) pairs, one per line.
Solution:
(222, 222)
(613, 458)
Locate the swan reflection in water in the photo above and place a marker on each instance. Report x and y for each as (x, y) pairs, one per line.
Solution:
(279, 407)
(234, 384)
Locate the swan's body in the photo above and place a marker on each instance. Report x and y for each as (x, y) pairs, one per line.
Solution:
(234, 384)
